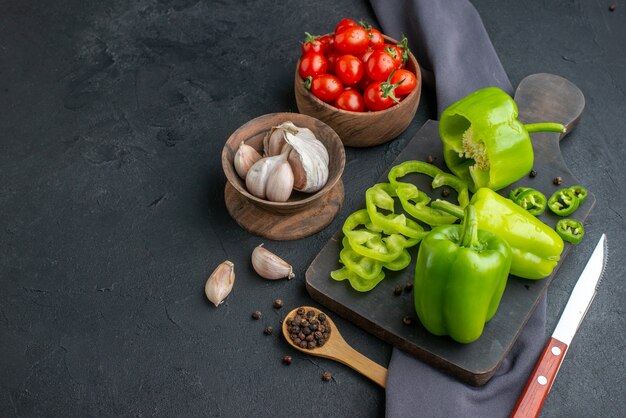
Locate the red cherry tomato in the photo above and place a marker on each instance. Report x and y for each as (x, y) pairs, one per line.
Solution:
(312, 43)
(312, 64)
(376, 39)
(408, 79)
(364, 56)
(326, 87)
(396, 53)
(332, 58)
(351, 100)
(352, 40)
(379, 65)
(379, 96)
(349, 69)
(328, 42)
(345, 23)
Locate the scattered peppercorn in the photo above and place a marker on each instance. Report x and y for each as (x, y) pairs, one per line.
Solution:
(430, 159)
(287, 360)
(445, 192)
(408, 287)
(557, 180)
(268, 330)
(256, 315)
(278, 304)
(310, 332)
(407, 320)
(326, 376)
(612, 7)
(532, 174)
(397, 290)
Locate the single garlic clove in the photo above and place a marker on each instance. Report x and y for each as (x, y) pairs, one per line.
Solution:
(280, 182)
(220, 283)
(244, 158)
(274, 142)
(269, 266)
(256, 180)
(299, 175)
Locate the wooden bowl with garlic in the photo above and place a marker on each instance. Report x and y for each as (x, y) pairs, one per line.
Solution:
(362, 129)
(283, 162)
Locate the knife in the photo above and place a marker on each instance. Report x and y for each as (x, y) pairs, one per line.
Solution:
(541, 379)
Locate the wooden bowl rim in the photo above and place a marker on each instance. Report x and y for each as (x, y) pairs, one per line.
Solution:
(290, 204)
(408, 99)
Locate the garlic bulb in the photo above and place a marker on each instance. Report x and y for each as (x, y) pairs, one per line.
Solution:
(244, 158)
(269, 178)
(220, 283)
(269, 266)
(310, 158)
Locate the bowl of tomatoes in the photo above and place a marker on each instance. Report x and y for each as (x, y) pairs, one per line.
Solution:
(363, 84)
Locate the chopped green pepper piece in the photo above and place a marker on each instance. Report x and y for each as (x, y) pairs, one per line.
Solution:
(415, 202)
(460, 276)
(563, 202)
(580, 192)
(381, 196)
(530, 199)
(357, 282)
(570, 230)
(365, 267)
(483, 141)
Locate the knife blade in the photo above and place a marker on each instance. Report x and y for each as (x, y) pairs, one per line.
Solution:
(547, 367)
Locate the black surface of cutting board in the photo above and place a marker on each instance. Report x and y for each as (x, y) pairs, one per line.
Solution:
(540, 97)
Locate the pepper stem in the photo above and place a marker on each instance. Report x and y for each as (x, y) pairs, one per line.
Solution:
(469, 233)
(447, 207)
(545, 127)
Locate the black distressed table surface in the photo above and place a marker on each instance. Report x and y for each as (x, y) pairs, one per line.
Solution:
(112, 119)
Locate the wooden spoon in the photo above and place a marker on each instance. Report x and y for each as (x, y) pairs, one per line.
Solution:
(336, 348)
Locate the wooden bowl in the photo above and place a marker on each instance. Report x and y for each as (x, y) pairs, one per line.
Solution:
(253, 132)
(362, 129)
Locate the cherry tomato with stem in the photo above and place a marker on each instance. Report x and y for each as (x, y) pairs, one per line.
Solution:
(312, 64)
(351, 100)
(406, 81)
(349, 69)
(380, 65)
(325, 87)
(312, 43)
(352, 40)
(379, 96)
(376, 39)
(345, 23)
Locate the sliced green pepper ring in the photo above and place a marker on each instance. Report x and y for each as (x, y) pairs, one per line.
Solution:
(532, 200)
(365, 267)
(372, 244)
(563, 202)
(514, 194)
(570, 230)
(580, 192)
(380, 196)
(357, 282)
(414, 201)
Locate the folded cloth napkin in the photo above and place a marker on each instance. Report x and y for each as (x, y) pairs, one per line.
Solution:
(456, 57)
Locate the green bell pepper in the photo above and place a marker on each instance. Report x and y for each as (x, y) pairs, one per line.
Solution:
(484, 143)
(460, 275)
(535, 246)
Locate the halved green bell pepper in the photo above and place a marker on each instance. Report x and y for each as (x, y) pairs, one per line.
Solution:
(484, 143)
(535, 246)
(460, 275)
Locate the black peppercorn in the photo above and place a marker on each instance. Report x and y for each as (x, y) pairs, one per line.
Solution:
(268, 330)
(408, 287)
(445, 192)
(430, 159)
(612, 7)
(398, 290)
(322, 317)
(278, 304)
(557, 180)
(256, 315)
(300, 311)
(532, 174)
(303, 344)
(407, 320)
(287, 360)
(326, 376)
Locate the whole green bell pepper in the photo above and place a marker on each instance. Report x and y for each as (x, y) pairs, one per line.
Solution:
(460, 275)
(484, 143)
(535, 246)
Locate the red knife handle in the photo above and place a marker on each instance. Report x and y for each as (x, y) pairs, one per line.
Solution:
(541, 379)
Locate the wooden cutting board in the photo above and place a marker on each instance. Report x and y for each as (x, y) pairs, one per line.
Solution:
(540, 97)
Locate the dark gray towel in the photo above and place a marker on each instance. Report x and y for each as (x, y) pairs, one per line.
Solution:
(457, 57)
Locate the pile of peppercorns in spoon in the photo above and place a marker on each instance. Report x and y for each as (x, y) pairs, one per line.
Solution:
(308, 329)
